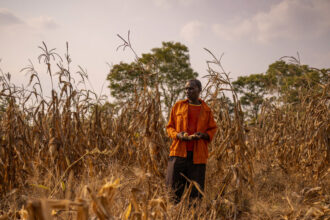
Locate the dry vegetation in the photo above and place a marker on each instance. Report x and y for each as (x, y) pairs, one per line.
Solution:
(69, 156)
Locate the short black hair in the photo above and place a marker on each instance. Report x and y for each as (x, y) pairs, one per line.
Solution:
(197, 83)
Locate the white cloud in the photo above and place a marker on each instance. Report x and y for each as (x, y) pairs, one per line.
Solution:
(170, 3)
(293, 19)
(43, 22)
(187, 2)
(8, 18)
(191, 31)
(234, 30)
(162, 3)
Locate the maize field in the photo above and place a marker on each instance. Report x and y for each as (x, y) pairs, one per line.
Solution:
(71, 156)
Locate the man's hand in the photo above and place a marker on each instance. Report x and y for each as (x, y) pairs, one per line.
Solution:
(183, 136)
(200, 135)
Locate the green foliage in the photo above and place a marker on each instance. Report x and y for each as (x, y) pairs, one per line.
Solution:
(291, 80)
(284, 81)
(125, 79)
(166, 68)
(288, 80)
(252, 89)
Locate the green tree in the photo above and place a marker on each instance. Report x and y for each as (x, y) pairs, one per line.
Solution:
(284, 81)
(125, 80)
(252, 89)
(291, 81)
(167, 67)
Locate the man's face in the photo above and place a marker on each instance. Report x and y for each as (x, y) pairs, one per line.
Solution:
(192, 91)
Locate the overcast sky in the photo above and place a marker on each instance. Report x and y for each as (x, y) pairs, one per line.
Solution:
(251, 33)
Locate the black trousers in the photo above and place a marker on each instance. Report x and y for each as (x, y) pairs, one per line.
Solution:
(174, 179)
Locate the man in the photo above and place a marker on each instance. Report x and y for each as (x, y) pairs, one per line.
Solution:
(191, 127)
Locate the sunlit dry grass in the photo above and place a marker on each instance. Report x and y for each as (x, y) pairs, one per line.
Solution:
(71, 156)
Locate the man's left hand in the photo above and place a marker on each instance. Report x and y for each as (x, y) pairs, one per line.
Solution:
(201, 135)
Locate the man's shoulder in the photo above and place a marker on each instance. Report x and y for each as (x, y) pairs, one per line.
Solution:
(180, 105)
(181, 102)
(205, 105)
(185, 102)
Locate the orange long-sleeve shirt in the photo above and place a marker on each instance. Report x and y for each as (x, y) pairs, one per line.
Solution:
(178, 122)
(193, 115)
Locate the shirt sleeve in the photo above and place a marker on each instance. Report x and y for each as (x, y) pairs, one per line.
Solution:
(170, 128)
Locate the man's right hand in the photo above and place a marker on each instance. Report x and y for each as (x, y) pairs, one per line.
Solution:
(182, 137)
